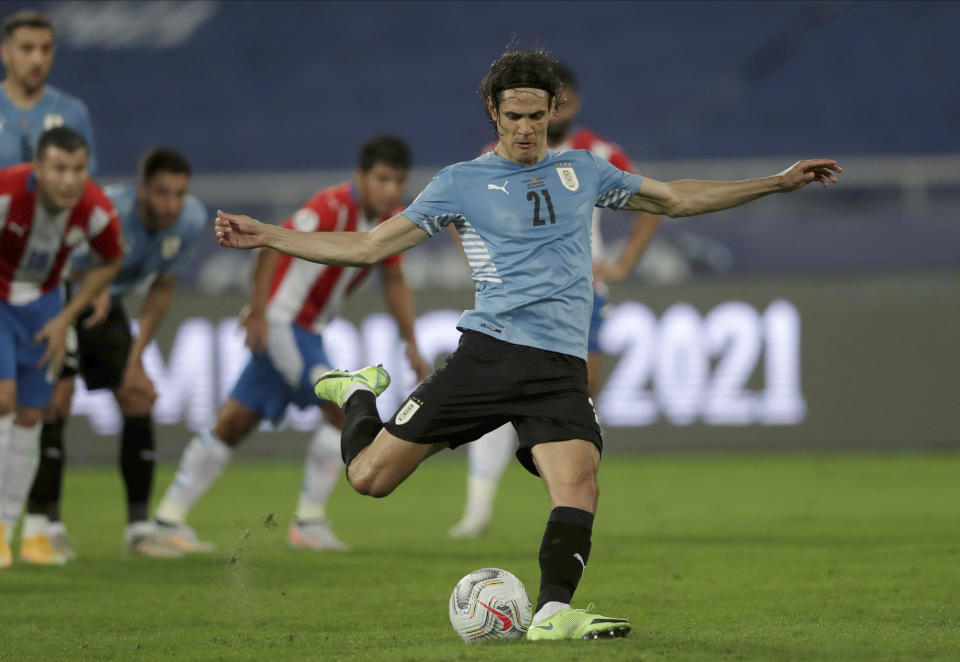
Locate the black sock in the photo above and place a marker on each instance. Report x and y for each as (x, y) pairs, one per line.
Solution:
(137, 459)
(362, 426)
(45, 493)
(567, 537)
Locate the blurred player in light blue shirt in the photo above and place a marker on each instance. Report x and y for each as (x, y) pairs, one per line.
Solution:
(28, 106)
(161, 224)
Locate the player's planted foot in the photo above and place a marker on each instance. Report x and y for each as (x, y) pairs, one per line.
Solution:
(181, 537)
(572, 623)
(471, 526)
(337, 385)
(36, 549)
(315, 535)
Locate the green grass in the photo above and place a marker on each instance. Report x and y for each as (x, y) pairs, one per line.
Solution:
(736, 557)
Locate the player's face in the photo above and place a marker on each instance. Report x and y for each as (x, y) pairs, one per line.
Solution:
(560, 122)
(27, 55)
(60, 176)
(161, 198)
(522, 120)
(380, 188)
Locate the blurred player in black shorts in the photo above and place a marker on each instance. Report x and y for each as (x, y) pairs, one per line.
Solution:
(161, 222)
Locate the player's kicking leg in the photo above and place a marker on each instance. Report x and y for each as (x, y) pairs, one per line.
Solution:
(377, 461)
(569, 470)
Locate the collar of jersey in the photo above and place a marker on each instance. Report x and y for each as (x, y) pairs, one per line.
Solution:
(520, 166)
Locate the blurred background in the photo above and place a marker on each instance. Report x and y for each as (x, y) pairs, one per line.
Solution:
(823, 319)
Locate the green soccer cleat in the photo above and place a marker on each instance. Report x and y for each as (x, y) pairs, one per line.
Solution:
(578, 624)
(334, 385)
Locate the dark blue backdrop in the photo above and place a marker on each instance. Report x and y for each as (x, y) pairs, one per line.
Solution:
(297, 85)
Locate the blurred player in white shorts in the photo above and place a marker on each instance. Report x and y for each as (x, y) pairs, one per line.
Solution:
(292, 302)
(487, 459)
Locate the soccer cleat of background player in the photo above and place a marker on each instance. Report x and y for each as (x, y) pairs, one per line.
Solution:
(50, 207)
(291, 304)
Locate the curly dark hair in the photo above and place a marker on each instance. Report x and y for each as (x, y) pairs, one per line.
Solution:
(536, 68)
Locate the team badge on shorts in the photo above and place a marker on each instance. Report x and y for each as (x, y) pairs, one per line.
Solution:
(409, 408)
(568, 178)
(170, 247)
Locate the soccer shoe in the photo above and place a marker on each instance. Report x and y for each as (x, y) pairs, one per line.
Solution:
(181, 537)
(6, 556)
(314, 534)
(578, 624)
(470, 526)
(38, 550)
(143, 539)
(57, 533)
(334, 385)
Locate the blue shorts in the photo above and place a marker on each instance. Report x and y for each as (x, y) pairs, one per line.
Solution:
(284, 374)
(19, 355)
(596, 321)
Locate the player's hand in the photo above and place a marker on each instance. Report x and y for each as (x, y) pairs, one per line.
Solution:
(54, 333)
(420, 367)
(101, 306)
(608, 272)
(258, 331)
(136, 390)
(802, 173)
(236, 231)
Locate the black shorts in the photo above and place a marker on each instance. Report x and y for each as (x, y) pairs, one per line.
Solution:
(102, 351)
(489, 382)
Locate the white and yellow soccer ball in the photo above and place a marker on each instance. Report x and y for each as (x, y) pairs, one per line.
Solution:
(490, 603)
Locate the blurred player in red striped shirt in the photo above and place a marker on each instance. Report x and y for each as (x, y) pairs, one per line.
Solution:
(487, 458)
(291, 304)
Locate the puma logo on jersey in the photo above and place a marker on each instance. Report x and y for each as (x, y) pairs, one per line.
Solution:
(499, 188)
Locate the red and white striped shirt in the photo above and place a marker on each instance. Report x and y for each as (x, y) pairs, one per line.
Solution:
(35, 244)
(310, 294)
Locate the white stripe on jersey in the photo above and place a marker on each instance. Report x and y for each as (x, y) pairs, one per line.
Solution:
(39, 254)
(99, 219)
(477, 254)
(283, 352)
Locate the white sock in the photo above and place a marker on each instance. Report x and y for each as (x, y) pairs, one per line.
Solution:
(20, 467)
(202, 462)
(548, 610)
(6, 428)
(487, 457)
(320, 472)
(35, 525)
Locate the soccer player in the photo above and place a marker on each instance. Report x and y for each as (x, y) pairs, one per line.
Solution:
(291, 303)
(28, 106)
(487, 458)
(523, 213)
(161, 222)
(46, 209)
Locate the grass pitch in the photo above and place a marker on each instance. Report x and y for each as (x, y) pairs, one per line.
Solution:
(735, 557)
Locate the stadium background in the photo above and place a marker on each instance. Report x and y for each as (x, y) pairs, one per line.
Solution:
(819, 320)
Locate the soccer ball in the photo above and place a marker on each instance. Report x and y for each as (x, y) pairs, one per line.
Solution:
(490, 604)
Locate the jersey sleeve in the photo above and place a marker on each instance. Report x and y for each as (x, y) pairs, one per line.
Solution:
(437, 205)
(614, 186)
(196, 220)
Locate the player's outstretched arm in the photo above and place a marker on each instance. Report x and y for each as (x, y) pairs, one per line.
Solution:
(689, 197)
(345, 249)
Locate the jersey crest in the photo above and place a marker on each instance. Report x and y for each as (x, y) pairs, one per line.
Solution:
(568, 177)
(52, 121)
(170, 247)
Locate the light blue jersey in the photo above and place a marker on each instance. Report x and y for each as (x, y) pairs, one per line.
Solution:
(148, 253)
(20, 129)
(526, 234)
